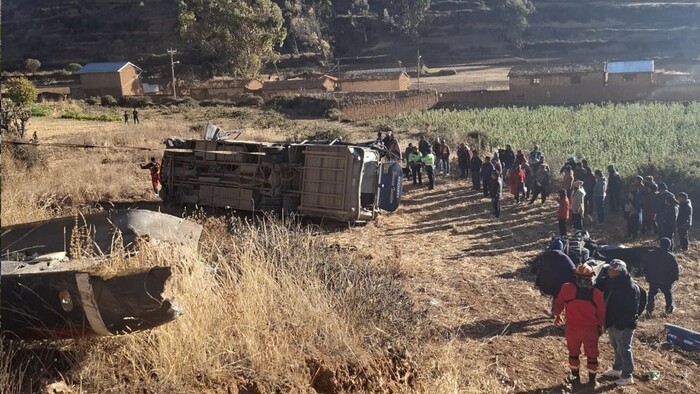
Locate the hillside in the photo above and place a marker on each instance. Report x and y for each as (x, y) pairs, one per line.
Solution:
(63, 31)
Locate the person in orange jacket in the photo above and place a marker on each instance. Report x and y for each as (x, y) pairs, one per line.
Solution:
(584, 308)
(563, 211)
(154, 167)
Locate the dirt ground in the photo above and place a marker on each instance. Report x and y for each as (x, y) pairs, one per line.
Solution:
(467, 273)
(470, 77)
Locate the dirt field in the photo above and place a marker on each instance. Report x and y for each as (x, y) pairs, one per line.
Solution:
(482, 327)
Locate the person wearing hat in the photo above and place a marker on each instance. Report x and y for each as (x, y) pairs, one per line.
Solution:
(554, 268)
(577, 205)
(661, 272)
(622, 302)
(584, 309)
(685, 219)
(154, 167)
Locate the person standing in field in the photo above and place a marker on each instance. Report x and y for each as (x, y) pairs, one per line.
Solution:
(463, 158)
(486, 169)
(584, 309)
(623, 300)
(154, 168)
(567, 180)
(601, 184)
(516, 181)
(429, 162)
(633, 214)
(519, 157)
(497, 165)
(563, 212)
(415, 161)
(614, 188)
(659, 204)
(588, 185)
(648, 213)
(535, 157)
(661, 273)
(495, 193)
(577, 206)
(685, 219)
(445, 158)
(668, 220)
(475, 167)
(508, 158)
(126, 117)
(437, 147)
(423, 145)
(406, 153)
(541, 184)
(529, 180)
(135, 113)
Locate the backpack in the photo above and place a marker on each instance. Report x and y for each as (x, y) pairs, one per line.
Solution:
(642, 298)
(575, 248)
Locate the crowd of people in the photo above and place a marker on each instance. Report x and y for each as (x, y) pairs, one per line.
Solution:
(611, 301)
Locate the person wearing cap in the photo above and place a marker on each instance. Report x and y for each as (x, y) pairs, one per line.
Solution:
(685, 219)
(554, 268)
(622, 301)
(661, 271)
(577, 205)
(154, 168)
(584, 309)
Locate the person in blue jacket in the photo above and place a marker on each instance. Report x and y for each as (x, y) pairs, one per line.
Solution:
(486, 169)
(554, 268)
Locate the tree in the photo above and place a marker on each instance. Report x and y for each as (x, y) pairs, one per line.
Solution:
(31, 65)
(306, 24)
(514, 14)
(235, 36)
(13, 119)
(73, 67)
(407, 16)
(21, 90)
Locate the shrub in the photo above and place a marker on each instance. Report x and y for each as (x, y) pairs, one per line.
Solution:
(186, 101)
(39, 110)
(108, 101)
(92, 100)
(73, 67)
(21, 90)
(334, 114)
(28, 155)
(135, 101)
(214, 103)
(329, 134)
(31, 65)
(248, 100)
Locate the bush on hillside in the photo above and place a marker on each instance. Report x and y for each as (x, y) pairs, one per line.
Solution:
(328, 134)
(73, 67)
(248, 100)
(31, 65)
(92, 100)
(184, 101)
(334, 114)
(135, 101)
(21, 90)
(108, 101)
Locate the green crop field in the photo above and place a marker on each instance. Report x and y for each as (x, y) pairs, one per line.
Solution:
(631, 136)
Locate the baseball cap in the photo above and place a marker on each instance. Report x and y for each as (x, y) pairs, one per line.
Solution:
(616, 265)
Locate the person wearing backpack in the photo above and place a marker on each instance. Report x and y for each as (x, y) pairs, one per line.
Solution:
(661, 271)
(584, 309)
(624, 301)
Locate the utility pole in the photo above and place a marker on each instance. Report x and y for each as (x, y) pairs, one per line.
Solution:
(172, 68)
(418, 69)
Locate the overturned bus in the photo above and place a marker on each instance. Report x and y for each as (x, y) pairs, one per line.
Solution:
(329, 180)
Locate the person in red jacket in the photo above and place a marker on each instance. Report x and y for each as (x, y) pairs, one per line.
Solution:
(563, 211)
(584, 309)
(516, 181)
(154, 167)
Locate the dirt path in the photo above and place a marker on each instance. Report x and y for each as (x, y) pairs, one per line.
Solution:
(466, 272)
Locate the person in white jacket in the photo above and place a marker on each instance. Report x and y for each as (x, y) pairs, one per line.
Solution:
(577, 210)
